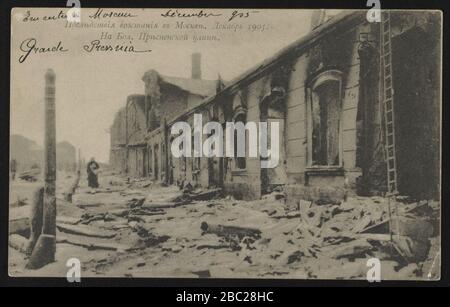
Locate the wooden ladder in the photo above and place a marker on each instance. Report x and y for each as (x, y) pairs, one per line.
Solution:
(389, 116)
(388, 102)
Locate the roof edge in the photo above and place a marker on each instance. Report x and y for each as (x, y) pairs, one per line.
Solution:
(295, 47)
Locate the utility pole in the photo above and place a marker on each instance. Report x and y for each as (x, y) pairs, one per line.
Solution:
(79, 158)
(72, 188)
(45, 249)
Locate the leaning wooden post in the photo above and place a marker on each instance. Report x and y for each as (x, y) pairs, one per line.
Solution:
(44, 251)
(71, 190)
(79, 159)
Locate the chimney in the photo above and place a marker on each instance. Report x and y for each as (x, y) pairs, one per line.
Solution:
(196, 65)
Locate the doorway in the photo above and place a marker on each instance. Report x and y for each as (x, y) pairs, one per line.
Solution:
(416, 73)
(156, 162)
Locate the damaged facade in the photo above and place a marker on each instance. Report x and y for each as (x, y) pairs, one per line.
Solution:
(325, 92)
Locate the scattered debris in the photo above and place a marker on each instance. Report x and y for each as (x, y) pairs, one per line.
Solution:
(161, 227)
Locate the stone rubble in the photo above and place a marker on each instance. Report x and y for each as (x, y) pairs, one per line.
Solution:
(140, 228)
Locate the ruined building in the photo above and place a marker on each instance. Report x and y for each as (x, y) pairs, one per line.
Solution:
(325, 90)
(165, 97)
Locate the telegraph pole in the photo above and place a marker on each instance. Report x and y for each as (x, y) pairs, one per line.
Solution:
(44, 251)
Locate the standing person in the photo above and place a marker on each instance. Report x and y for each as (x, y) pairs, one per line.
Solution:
(13, 168)
(92, 171)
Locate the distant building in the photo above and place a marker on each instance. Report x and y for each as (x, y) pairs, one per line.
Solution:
(25, 151)
(28, 154)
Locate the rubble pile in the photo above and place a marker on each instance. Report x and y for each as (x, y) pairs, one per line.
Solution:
(335, 241)
(135, 229)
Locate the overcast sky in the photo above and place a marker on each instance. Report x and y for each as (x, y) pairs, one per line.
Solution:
(91, 87)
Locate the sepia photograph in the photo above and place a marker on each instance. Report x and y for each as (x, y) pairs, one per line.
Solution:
(291, 144)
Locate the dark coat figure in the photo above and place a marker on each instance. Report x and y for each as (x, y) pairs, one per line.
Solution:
(92, 169)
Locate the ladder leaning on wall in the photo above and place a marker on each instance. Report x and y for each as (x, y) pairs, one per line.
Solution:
(389, 116)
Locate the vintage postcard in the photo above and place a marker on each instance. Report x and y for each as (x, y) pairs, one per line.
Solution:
(225, 143)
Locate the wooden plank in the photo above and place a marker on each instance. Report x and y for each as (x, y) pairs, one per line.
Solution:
(93, 245)
(226, 230)
(87, 231)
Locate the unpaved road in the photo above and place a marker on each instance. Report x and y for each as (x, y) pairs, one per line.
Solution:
(316, 242)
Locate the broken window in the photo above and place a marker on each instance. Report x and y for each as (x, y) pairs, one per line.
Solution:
(240, 162)
(156, 161)
(324, 117)
(150, 161)
(133, 118)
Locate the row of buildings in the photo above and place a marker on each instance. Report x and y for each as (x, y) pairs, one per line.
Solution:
(325, 91)
(28, 154)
